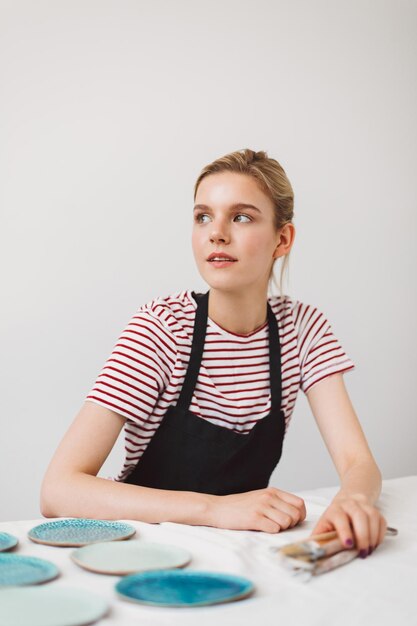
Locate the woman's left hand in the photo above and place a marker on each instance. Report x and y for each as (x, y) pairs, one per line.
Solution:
(358, 523)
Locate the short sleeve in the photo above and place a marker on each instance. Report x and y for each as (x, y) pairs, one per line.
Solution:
(137, 370)
(321, 352)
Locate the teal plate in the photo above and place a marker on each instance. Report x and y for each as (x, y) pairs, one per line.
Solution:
(183, 588)
(80, 532)
(7, 542)
(16, 569)
(50, 606)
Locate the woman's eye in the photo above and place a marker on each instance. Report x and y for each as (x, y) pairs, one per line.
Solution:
(199, 216)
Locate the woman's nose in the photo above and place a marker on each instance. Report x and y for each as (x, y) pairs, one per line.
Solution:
(219, 233)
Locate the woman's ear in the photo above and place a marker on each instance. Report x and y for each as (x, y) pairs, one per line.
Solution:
(286, 240)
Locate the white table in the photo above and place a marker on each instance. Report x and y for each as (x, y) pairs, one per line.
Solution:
(381, 589)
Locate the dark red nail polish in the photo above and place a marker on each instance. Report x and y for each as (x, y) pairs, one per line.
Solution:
(363, 553)
(349, 543)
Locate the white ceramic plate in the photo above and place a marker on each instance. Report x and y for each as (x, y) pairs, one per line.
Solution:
(127, 557)
(50, 606)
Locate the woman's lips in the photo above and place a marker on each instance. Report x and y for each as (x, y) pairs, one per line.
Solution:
(223, 263)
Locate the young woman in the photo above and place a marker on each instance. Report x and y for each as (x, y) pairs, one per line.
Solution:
(205, 385)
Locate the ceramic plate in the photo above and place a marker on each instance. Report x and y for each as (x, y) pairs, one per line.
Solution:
(121, 558)
(183, 588)
(79, 532)
(7, 542)
(16, 569)
(50, 606)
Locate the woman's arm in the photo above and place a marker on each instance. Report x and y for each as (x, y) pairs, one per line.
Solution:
(71, 487)
(360, 477)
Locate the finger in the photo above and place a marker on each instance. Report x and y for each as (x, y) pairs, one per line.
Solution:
(270, 498)
(291, 516)
(359, 521)
(382, 530)
(292, 499)
(279, 517)
(266, 524)
(374, 527)
(337, 519)
(324, 525)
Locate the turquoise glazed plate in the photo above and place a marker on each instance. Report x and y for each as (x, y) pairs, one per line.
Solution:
(183, 588)
(79, 532)
(50, 606)
(16, 569)
(125, 557)
(7, 542)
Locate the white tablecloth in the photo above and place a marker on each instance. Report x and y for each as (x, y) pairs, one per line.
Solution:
(381, 589)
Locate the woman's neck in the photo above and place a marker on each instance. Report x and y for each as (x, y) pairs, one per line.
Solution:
(239, 313)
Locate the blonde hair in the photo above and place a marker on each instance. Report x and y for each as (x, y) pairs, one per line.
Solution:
(272, 180)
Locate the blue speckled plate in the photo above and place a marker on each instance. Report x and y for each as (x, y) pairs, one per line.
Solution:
(7, 542)
(50, 606)
(17, 569)
(183, 588)
(80, 532)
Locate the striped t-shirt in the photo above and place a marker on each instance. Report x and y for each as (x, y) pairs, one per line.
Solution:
(145, 371)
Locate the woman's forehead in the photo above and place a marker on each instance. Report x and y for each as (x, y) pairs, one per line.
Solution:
(227, 188)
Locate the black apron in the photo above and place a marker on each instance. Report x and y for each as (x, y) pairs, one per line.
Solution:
(189, 453)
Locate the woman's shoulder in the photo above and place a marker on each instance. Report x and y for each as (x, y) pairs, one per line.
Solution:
(320, 352)
(174, 311)
(173, 302)
(284, 305)
(303, 316)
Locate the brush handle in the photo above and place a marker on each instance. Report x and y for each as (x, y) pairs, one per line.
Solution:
(331, 562)
(325, 545)
(333, 534)
(314, 547)
(324, 536)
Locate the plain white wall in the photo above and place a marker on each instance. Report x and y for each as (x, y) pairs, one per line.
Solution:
(109, 110)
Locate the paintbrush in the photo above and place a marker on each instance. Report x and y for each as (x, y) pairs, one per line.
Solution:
(318, 546)
(319, 553)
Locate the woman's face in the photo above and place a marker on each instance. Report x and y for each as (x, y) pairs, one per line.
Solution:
(246, 234)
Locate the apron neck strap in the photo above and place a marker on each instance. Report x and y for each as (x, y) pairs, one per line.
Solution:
(199, 336)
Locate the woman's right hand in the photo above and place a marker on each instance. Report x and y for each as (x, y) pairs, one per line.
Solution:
(269, 510)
